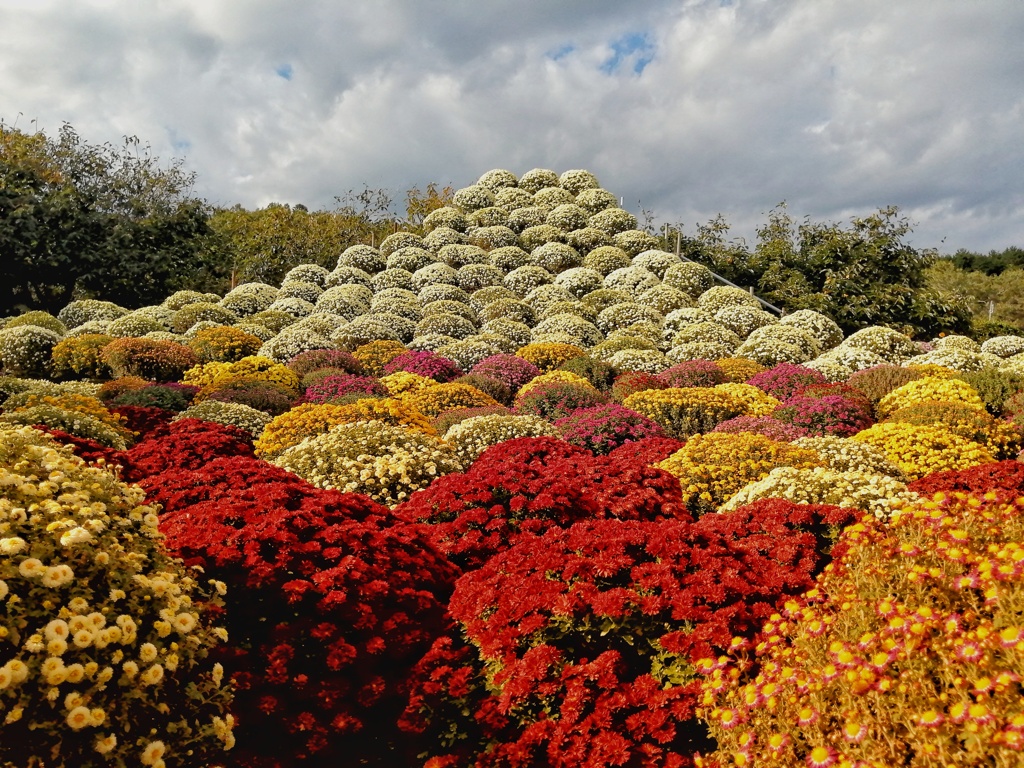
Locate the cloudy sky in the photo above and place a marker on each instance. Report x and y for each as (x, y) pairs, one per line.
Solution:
(687, 108)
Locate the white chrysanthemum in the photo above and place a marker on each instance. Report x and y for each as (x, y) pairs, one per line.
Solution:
(473, 198)
(473, 436)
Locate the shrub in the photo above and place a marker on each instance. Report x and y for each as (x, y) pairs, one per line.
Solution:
(429, 364)
(200, 311)
(880, 380)
(495, 388)
(83, 311)
(685, 411)
(186, 444)
(994, 387)
(1001, 438)
(148, 358)
(224, 344)
(68, 420)
(263, 396)
(92, 581)
(762, 425)
(1003, 475)
(626, 384)
(332, 388)
(216, 376)
(375, 355)
(385, 462)
(548, 357)
(562, 639)
(432, 401)
(876, 494)
(80, 357)
(713, 467)
(251, 420)
(169, 397)
(903, 628)
(110, 390)
(554, 399)
(929, 388)
(472, 436)
(920, 450)
(323, 689)
(785, 380)
(825, 415)
(26, 350)
(603, 428)
(307, 362)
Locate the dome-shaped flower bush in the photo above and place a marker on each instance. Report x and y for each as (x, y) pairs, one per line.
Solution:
(447, 217)
(685, 411)
(611, 700)
(603, 428)
(107, 640)
(537, 179)
(892, 346)
(148, 358)
(929, 388)
(911, 625)
(825, 330)
(80, 357)
(554, 399)
(26, 350)
(870, 492)
(613, 220)
(471, 437)
(432, 401)
(1003, 439)
(385, 462)
(919, 450)
(713, 467)
(223, 344)
(76, 313)
(362, 257)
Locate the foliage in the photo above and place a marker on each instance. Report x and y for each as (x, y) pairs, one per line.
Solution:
(148, 358)
(79, 218)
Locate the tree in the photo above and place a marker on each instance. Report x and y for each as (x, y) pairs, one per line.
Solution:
(861, 274)
(78, 219)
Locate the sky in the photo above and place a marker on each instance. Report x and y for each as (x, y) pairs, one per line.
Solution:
(684, 108)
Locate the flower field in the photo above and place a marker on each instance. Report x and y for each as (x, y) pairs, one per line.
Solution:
(524, 490)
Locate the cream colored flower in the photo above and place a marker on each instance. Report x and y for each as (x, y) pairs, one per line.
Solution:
(153, 675)
(57, 629)
(56, 647)
(79, 717)
(6, 678)
(75, 673)
(12, 545)
(130, 668)
(184, 622)
(31, 567)
(58, 576)
(4, 590)
(78, 605)
(147, 652)
(77, 535)
(19, 670)
(105, 744)
(153, 751)
(83, 638)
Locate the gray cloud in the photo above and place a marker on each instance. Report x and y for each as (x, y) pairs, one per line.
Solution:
(688, 108)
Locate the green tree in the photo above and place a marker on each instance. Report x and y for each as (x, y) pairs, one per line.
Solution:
(78, 219)
(861, 274)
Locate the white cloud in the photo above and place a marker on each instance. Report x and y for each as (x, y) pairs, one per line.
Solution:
(691, 108)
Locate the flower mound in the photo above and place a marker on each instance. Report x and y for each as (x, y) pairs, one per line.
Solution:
(908, 652)
(604, 428)
(329, 604)
(527, 485)
(585, 637)
(711, 468)
(686, 411)
(386, 463)
(102, 630)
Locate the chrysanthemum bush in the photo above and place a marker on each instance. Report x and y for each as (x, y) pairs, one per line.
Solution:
(151, 359)
(471, 437)
(526, 485)
(685, 411)
(907, 652)
(603, 428)
(589, 660)
(713, 467)
(107, 639)
(332, 604)
(25, 350)
(79, 357)
(919, 450)
(929, 388)
(385, 462)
